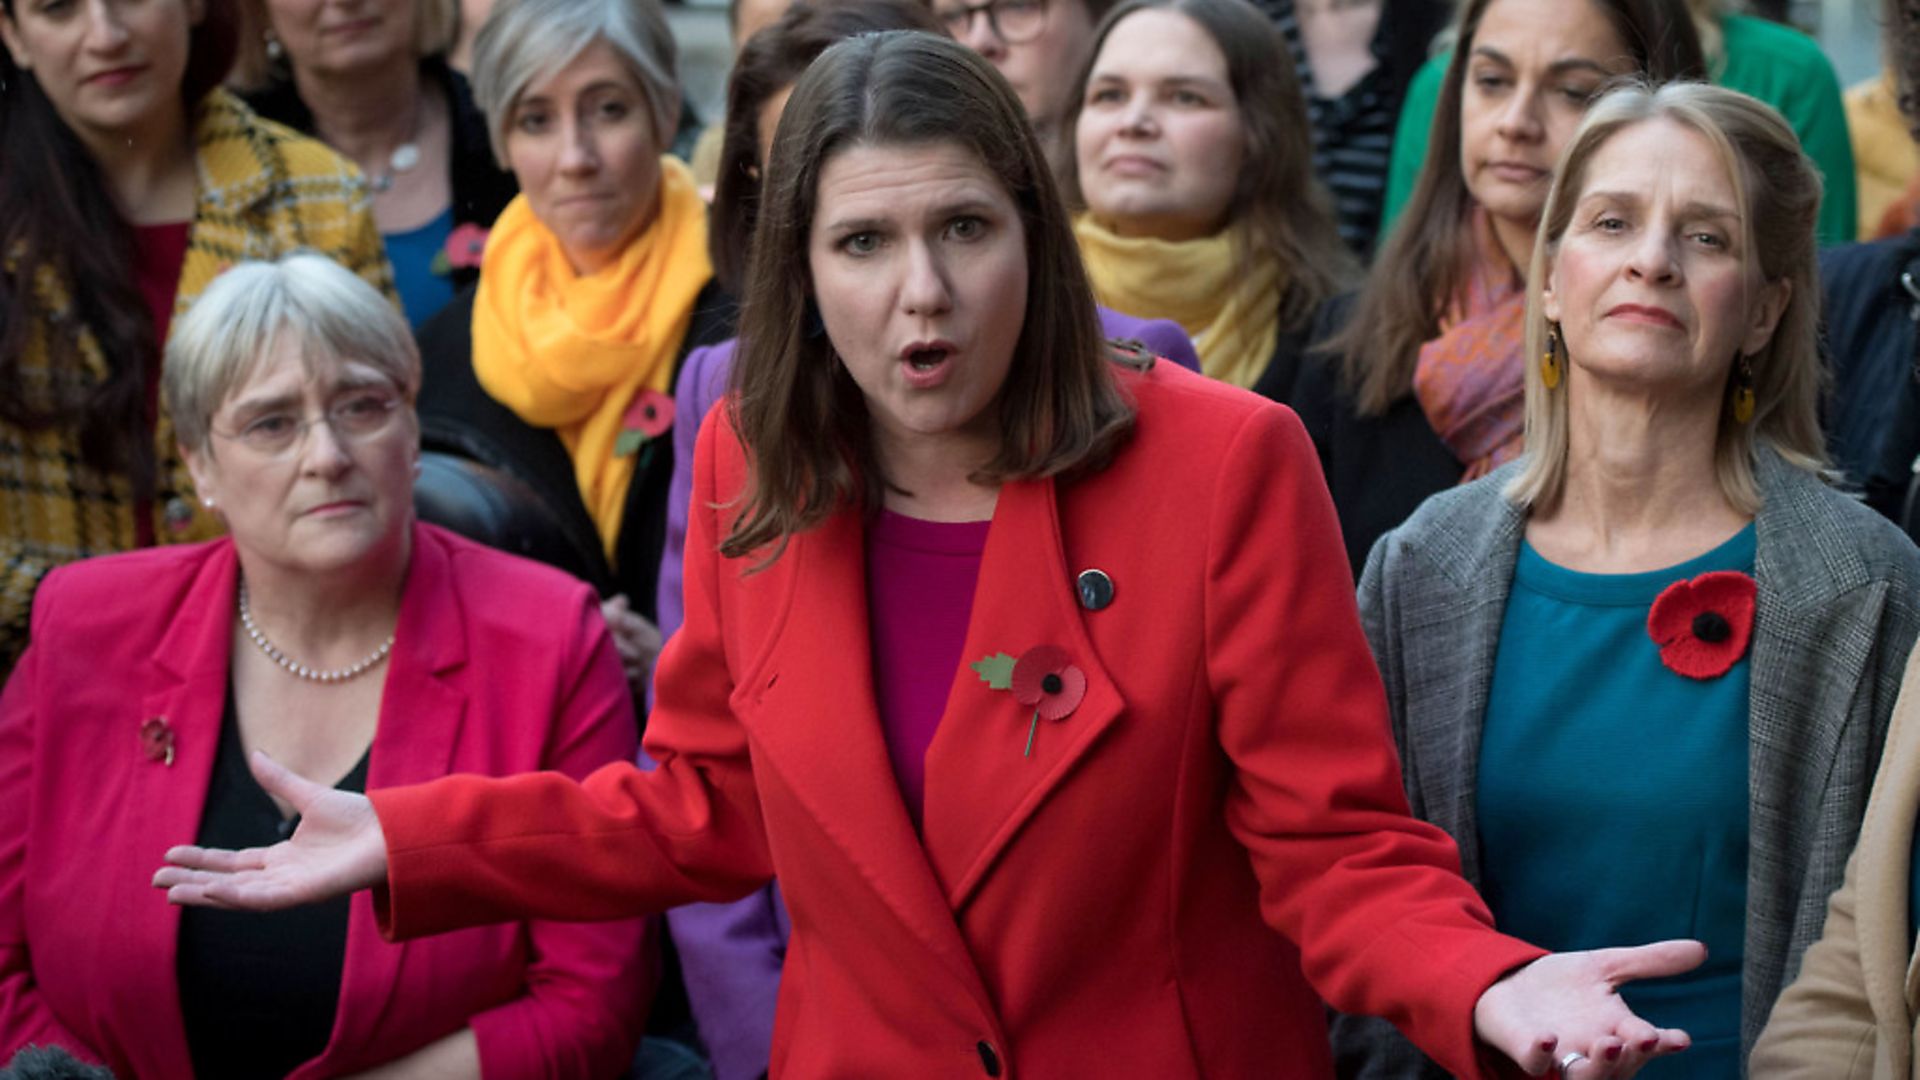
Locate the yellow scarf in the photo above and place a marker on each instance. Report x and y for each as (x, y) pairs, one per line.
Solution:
(570, 353)
(1232, 312)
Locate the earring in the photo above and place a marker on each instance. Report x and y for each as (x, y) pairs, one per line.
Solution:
(275, 51)
(207, 501)
(1743, 389)
(1550, 359)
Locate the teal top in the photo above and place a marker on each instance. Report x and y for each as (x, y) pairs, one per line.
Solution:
(1777, 64)
(1612, 792)
(420, 273)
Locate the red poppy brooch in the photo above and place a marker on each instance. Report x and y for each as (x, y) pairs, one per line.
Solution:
(1703, 626)
(1043, 679)
(156, 740)
(465, 249)
(648, 418)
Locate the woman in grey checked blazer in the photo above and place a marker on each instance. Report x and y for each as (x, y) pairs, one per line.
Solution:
(1643, 674)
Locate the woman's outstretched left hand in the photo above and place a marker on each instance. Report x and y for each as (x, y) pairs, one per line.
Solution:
(339, 848)
(1564, 1011)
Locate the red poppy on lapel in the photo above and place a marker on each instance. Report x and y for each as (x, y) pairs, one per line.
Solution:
(1044, 679)
(648, 418)
(156, 740)
(1703, 626)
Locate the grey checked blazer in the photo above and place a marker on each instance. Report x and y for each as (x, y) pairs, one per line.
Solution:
(1838, 611)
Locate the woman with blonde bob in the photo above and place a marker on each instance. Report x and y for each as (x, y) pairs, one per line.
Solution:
(1657, 654)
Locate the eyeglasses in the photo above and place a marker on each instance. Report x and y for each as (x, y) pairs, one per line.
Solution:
(1012, 21)
(359, 415)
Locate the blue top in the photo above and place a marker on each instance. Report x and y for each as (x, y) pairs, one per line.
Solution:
(420, 273)
(1612, 792)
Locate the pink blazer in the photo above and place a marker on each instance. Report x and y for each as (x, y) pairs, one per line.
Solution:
(499, 666)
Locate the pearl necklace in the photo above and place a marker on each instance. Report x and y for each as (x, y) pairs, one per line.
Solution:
(299, 670)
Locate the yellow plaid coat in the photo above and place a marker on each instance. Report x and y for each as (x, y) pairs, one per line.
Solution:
(264, 190)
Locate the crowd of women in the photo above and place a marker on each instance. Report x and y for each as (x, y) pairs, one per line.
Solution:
(1056, 538)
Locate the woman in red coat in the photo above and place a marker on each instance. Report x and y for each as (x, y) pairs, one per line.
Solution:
(1035, 677)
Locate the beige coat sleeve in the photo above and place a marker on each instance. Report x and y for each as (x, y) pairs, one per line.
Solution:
(1822, 1028)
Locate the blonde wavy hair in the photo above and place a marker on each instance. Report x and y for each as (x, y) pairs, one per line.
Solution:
(1777, 193)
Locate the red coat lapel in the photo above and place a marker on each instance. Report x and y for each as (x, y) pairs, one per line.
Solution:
(981, 789)
(817, 725)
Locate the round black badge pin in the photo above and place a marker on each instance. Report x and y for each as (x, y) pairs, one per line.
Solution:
(1096, 589)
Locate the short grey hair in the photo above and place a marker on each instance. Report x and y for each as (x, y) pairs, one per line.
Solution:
(331, 311)
(524, 41)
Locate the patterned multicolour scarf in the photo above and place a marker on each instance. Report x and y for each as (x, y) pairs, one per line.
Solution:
(1471, 380)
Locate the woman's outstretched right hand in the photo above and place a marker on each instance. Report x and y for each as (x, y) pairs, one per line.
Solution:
(339, 848)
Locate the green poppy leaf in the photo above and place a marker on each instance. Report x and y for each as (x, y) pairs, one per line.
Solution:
(996, 670)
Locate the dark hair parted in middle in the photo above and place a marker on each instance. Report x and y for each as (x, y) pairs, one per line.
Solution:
(1421, 266)
(769, 62)
(1279, 202)
(800, 416)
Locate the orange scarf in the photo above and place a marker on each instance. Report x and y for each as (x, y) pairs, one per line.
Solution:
(1471, 380)
(569, 352)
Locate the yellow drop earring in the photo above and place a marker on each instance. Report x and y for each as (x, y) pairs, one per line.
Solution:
(1743, 389)
(1550, 359)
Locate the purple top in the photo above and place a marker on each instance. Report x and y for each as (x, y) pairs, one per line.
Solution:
(920, 578)
(730, 954)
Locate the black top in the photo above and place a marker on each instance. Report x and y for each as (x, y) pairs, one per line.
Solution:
(458, 416)
(481, 188)
(1871, 314)
(1281, 377)
(1378, 468)
(257, 991)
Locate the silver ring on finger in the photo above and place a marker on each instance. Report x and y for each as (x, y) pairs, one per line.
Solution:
(1572, 1058)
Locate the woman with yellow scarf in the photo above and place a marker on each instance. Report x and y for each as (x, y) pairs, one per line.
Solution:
(1194, 168)
(558, 367)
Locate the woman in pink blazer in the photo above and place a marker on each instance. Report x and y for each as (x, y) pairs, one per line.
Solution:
(330, 627)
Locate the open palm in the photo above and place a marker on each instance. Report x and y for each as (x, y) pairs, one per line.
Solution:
(339, 848)
(1565, 1010)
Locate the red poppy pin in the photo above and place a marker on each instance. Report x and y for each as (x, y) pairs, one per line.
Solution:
(649, 417)
(156, 740)
(1043, 678)
(1703, 626)
(466, 247)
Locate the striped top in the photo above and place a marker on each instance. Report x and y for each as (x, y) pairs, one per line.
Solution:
(1352, 134)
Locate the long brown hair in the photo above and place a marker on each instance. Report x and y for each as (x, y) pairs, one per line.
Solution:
(1284, 211)
(1419, 269)
(770, 61)
(60, 227)
(802, 420)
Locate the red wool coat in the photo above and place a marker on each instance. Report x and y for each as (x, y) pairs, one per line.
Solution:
(1213, 840)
